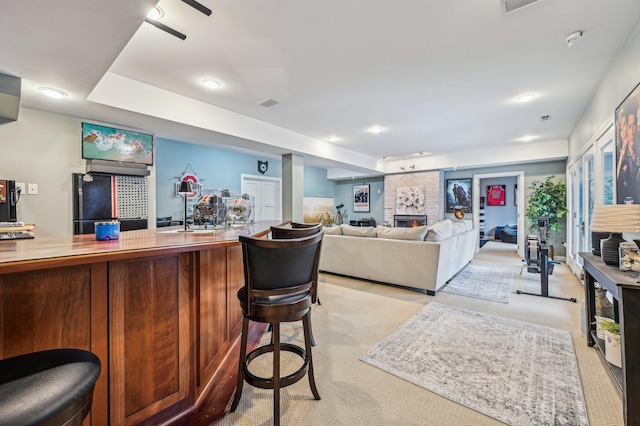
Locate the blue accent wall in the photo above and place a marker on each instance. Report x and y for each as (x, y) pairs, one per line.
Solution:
(344, 194)
(219, 168)
(316, 183)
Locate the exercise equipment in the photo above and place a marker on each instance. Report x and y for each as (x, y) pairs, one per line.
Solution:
(537, 260)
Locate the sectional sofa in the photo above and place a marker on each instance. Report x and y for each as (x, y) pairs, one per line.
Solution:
(423, 258)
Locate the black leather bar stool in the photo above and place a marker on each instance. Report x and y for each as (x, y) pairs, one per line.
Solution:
(53, 387)
(297, 230)
(280, 286)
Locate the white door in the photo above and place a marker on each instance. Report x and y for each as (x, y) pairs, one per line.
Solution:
(591, 179)
(267, 195)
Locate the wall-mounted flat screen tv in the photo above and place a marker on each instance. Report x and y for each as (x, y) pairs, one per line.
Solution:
(111, 144)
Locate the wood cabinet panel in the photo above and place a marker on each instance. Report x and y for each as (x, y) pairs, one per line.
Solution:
(149, 335)
(212, 312)
(235, 280)
(52, 307)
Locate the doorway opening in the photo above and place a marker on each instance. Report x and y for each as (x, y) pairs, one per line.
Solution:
(513, 197)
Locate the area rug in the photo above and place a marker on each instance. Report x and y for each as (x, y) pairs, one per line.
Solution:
(514, 372)
(482, 283)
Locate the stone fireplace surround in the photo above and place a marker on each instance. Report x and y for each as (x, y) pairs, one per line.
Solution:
(433, 183)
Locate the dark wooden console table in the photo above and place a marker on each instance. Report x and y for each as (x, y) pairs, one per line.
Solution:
(626, 293)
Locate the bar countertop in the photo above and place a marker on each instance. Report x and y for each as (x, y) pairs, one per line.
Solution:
(51, 251)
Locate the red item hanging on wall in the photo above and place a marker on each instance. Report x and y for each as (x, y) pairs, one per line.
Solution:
(496, 195)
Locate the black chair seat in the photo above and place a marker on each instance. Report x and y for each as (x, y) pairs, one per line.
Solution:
(53, 387)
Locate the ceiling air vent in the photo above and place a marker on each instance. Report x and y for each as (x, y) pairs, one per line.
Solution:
(268, 103)
(511, 5)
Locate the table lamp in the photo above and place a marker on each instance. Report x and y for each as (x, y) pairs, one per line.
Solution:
(616, 219)
(185, 189)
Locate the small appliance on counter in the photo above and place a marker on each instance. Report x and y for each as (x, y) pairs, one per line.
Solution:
(8, 201)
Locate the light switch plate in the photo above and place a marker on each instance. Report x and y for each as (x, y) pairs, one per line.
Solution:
(32, 188)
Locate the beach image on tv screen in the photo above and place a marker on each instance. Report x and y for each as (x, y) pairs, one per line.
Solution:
(108, 143)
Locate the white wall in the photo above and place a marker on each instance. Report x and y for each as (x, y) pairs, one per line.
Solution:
(45, 148)
(617, 83)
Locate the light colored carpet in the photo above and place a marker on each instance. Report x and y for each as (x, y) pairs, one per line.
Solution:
(482, 282)
(356, 315)
(515, 372)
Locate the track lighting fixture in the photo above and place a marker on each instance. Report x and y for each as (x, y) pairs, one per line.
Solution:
(165, 28)
(199, 7)
(193, 3)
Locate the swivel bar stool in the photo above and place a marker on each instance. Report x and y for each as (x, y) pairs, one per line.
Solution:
(280, 286)
(53, 387)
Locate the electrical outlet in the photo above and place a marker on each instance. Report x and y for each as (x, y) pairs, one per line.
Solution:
(32, 189)
(22, 187)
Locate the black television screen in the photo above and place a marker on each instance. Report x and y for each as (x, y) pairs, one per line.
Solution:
(111, 144)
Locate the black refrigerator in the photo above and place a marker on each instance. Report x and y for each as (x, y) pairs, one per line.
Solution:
(99, 197)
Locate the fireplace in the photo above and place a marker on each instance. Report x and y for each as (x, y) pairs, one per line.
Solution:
(409, 220)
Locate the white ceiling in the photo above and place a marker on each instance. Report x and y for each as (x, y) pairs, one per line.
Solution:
(439, 75)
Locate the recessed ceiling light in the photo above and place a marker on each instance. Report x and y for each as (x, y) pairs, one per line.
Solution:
(53, 93)
(526, 97)
(333, 139)
(156, 13)
(526, 138)
(376, 129)
(211, 83)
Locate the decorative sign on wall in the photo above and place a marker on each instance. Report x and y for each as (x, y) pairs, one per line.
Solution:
(496, 195)
(361, 198)
(458, 195)
(410, 200)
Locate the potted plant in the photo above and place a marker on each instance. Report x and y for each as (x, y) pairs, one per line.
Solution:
(613, 349)
(547, 199)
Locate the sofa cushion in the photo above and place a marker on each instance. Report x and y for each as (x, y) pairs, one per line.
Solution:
(439, 231)
(332, 230)
(358, 231)
(468, 224)
(417, 233)
(458, 228)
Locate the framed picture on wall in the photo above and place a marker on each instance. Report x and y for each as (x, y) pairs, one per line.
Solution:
(361, 196)
(496, 195)
(458, 195)
(628, 149)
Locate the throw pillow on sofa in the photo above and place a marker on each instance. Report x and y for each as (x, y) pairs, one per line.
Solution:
(458, 228)
(439, 231)
(358, 231)
(332, 230)
(417, 233)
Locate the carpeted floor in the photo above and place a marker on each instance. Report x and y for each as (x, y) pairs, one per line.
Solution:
(513, 371)
(482, 282)
(356, 315)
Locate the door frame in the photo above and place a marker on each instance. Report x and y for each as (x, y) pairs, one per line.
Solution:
(520, 211)
(245, 177)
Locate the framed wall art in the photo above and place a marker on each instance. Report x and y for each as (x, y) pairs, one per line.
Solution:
(628, 149)
(496, 195)
(458, 195)
(361, 197)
